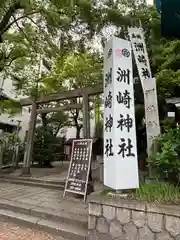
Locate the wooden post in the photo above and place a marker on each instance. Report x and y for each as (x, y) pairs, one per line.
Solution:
(30, 141)
(86, 116)
(1, 154)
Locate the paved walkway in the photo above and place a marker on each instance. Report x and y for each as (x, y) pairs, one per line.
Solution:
(57, 173)
(41, 197)
(35, 198)
(10, 231)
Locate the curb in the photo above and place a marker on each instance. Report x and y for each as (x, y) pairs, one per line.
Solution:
(36, 183)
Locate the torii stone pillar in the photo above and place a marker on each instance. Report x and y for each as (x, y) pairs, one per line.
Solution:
(86, 132)
(86, 116)
(30, 141)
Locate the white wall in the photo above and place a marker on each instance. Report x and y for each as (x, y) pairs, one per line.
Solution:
(24, 116)
(71, 132)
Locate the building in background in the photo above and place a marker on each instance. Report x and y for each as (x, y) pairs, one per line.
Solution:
(10, 123)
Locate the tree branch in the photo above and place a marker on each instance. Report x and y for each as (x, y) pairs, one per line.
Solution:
(17, 19)
(9, 64)
(57, 129)
(24, 33)
(45, 62)
(47, 65)
(12, 9)
(49, 41)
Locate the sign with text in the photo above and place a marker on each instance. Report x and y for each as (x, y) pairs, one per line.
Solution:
(151, 112)
(148, 84)
(120, 150)
(140, 54)
(79, 168)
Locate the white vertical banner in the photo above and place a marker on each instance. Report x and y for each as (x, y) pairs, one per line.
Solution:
(151, 112)
(140, 53)
(120, 149)
(148, 84)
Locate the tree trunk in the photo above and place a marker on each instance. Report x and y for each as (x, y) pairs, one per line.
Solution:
(78, 131)
(76, 124)
(46, 162)
(44, 121)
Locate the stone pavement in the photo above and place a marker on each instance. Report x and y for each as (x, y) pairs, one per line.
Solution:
(10, 231)
(41, 197)
(42, 209)
(57, 173)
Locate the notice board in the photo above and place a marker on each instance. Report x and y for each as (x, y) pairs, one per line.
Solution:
(79, 168)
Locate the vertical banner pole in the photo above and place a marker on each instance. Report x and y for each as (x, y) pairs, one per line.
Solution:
(149, 87)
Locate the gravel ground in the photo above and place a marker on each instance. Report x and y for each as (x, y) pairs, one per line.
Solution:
(10, 231)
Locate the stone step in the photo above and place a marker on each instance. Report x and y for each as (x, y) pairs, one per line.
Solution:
(33, 179)
(57, 228)
(35, 183)
(67, 216)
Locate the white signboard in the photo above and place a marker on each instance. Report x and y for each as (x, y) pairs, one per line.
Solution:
(148, 84)
(171, 114)
(151, 112)
(140, 53)
(120, 150)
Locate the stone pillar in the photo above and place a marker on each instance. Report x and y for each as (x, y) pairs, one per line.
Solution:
(1, 154)
(30, 141)
(86, 134)
(101, 168)
(86, 116)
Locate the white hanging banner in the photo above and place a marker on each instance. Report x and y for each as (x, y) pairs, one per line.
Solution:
(151, 112)
(140, 53)
(148, 84)
(120, 150)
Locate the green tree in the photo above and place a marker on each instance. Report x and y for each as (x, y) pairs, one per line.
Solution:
(47, 146)
(74, 71)
(28, 30)
(164, 56)
(54, 30)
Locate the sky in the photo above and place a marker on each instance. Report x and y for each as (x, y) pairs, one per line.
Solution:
(150, 1)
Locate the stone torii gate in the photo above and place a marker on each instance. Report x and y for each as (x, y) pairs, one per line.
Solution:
(81, 92)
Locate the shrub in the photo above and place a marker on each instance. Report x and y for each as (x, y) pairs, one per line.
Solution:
(47, 147)
(154, 192)
(165, 158)
(157, 192)
(168, 123)
(9, 141)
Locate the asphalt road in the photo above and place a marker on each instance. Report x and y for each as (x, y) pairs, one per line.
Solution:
(11, 231)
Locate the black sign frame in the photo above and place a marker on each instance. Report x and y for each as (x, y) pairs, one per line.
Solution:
(69, 180)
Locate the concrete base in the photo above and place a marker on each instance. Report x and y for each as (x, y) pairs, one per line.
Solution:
(149, 180)
(26, 172)
(98, 169)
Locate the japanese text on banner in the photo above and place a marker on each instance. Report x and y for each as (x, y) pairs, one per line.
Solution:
(140, 53)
